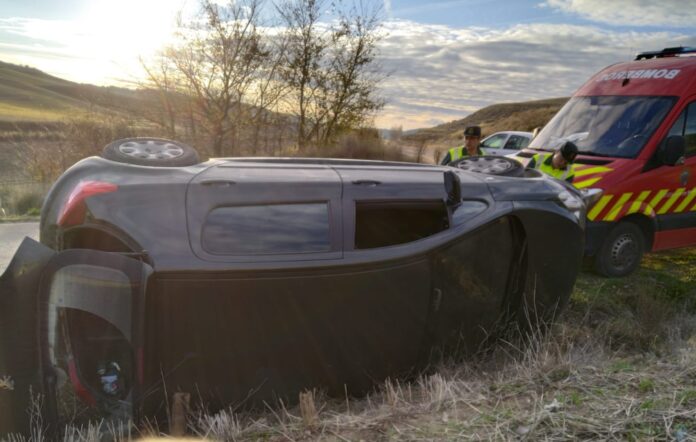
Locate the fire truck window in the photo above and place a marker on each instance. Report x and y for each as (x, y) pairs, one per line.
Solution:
(690, 130)
(686, 126)
(678, 126)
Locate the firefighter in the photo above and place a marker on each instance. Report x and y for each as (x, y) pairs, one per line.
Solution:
(472, 137)
(558, 164)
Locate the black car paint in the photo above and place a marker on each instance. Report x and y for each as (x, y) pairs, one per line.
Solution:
(343, 319)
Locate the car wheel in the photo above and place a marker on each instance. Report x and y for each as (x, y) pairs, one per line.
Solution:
(621, 252)
(157, 152)
(491, 165)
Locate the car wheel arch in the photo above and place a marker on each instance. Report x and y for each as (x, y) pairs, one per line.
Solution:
(100, 237)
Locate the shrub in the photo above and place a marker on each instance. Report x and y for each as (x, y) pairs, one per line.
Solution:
(29, 202)
(364, 144)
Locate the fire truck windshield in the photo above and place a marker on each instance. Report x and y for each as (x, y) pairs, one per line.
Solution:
(612, 126)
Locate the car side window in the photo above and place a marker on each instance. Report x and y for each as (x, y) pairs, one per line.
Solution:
(267, 229)
(494, 142)
(389, 223)
(516, 142)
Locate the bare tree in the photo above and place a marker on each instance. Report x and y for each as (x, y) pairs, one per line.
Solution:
(330, 70)
(210, 71)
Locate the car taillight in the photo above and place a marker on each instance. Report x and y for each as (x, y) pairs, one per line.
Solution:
(75, 209)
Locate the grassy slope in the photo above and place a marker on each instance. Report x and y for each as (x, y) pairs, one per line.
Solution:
(29, 95)
(505, 116)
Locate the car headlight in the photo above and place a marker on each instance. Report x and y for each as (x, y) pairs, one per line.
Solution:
(573, 203)
(591, 196)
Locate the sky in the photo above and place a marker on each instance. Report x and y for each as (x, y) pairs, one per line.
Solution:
(445, 58)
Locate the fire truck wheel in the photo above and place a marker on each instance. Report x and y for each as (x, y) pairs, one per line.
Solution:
(621, 252)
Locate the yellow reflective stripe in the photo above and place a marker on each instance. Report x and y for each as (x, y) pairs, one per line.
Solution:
(653, 202)
(586, 183)
(597, 208)
(670, 202)
(614, 212)
(637, 203)
(689, 197)
(591, 170)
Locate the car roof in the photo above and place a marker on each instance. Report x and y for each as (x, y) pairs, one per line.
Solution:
(512, 132)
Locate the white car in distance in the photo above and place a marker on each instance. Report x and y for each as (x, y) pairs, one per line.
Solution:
(505, 143)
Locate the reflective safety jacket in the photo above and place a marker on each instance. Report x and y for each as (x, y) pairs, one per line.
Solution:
(543, 163)
(457, 153)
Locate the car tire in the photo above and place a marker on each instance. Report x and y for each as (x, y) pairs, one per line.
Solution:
(490, 165)
(621, 251)
(156, 152)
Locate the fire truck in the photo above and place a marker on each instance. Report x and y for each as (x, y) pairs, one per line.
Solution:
(635, 127)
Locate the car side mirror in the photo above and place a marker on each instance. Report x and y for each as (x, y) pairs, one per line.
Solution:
(453, 188)
(671, 151)
(535, 132)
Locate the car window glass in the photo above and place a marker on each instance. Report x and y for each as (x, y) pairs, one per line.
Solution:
(494, 142)
(381, 224)
(267, 229)
(516, 142)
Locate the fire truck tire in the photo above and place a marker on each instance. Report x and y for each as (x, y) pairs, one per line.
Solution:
(621, 251)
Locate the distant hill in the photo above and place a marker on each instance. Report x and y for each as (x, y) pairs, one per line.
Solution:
(523, 116)
(30, 95)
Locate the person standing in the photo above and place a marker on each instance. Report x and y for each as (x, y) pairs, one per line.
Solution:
(558, 164)
(472, 138)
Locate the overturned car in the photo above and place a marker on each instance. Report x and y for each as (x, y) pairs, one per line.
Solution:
(244, 280)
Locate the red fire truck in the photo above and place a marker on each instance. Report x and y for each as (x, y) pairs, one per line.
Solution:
(635, 126)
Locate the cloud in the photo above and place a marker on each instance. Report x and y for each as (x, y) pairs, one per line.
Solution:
(438, 73)
(670, 13)
(444, 73)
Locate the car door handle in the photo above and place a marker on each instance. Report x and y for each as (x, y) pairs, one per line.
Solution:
(367, 182)
(218, 183)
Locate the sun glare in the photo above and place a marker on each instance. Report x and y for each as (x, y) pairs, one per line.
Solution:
(117, 34)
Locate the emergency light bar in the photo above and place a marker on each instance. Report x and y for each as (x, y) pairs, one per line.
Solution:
(666, 52)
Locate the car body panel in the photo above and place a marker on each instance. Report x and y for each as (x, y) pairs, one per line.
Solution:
(250, 329)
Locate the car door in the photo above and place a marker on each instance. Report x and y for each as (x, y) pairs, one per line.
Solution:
(387, 215)
(265, 212)
(65, 318)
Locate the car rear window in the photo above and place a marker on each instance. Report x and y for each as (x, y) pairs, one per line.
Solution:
(267, 229)
(381, 224)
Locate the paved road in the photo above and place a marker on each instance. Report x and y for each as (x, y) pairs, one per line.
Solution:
(10, 237)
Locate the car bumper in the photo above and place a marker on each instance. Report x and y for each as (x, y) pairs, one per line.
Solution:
(595, 233)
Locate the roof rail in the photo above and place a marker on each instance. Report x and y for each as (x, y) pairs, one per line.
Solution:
(666, 52)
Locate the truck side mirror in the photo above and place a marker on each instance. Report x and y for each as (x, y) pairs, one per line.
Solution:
(672, 150)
